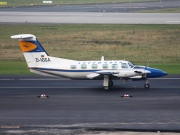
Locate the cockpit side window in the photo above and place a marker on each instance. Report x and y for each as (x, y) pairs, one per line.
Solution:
(130, 65)
(124, 65)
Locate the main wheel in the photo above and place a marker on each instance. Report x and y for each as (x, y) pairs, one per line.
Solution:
(106, 87)
(146, 85)
(110, 83)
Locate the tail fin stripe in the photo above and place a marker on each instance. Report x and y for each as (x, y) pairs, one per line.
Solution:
(31, 46)
(33, 51)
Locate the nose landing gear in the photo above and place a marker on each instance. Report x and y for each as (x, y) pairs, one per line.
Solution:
(146, 85)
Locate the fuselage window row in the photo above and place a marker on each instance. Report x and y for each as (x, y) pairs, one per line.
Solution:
(104, 66)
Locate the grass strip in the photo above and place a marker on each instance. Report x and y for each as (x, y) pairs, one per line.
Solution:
(13, 68)
(164, 10)
(136, 43)
(15, 3)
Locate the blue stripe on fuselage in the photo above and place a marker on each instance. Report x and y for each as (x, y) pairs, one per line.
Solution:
(64, 70)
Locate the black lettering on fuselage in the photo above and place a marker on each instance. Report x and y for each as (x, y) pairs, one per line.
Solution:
(43, 60)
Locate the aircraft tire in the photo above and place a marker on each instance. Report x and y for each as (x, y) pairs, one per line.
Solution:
(106, 87)
(146, 85)
(110, 83)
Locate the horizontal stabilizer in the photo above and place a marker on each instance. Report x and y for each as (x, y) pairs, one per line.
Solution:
(23, 36)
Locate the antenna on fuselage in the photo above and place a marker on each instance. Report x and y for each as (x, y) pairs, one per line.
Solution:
(102, 58)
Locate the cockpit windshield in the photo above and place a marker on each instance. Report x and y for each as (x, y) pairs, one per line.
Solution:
(131, 65)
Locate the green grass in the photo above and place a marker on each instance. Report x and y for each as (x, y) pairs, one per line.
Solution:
(7, 68)
(166, 10)
(140, 43)
(58, 2)
(170, 68)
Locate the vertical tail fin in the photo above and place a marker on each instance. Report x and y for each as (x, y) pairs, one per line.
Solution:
(33, 51)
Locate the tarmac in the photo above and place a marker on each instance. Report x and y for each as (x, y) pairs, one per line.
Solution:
(79, 106)
(83, 106)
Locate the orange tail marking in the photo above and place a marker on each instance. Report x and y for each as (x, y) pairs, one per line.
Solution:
(27, 46)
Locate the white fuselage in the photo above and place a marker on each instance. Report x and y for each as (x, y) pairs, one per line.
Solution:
(81, 69)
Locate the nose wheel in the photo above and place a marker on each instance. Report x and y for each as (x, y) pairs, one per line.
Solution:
(146, 85)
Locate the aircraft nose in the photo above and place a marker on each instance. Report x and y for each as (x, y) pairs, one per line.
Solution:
(155, 73)
(164, 73)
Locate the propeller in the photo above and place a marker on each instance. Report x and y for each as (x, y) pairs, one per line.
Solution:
(145, 74)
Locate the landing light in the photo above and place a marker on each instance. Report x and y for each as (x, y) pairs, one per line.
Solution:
(126, 96)
(43, 96)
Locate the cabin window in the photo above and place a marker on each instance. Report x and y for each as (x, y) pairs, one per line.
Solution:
(94, 66)
(114, 66)
(105, 65)
(83, 66)
(73, 66)
(124, 65)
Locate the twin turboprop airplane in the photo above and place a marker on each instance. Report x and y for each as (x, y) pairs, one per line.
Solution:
(40, 62)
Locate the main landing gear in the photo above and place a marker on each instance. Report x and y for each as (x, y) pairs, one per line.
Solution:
(107, 82)
(110, 83)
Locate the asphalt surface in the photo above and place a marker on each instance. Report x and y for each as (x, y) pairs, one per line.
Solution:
(111, 7)
(114, 13)
(88, 18)
(78, 104)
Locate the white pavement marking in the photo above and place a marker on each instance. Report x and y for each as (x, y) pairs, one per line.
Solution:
(130, 7)
(6, 79)
(45, 87)
(173, 22)
(34, 79)
(164, 78)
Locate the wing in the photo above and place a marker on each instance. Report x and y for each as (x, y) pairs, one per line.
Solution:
(102, 72)
(129, 73)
